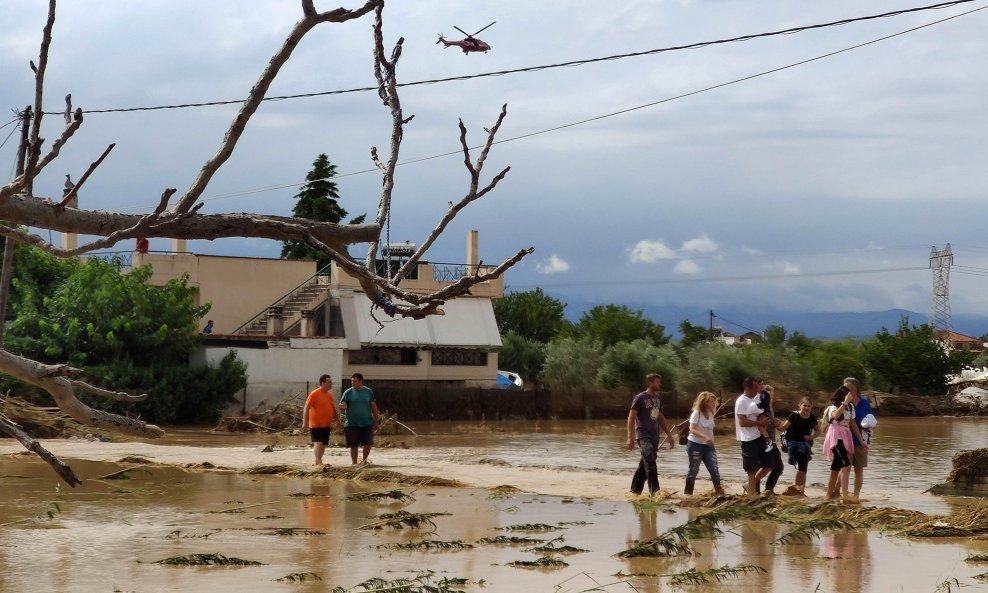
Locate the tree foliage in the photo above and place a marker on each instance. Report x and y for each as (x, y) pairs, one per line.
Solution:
(911, 360)
(611, 324)
(519, 354)
(317, 200)
(113, 325)
(571, 362)
(693, 335)
(532, 314)
(833, 361)
(627, 363)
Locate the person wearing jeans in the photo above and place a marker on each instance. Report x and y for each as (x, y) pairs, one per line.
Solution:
(644, 420)
(700, 442)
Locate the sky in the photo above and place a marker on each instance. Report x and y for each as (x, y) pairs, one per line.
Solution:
(821, 187)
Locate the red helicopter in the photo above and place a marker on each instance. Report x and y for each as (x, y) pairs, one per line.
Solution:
(470, 43)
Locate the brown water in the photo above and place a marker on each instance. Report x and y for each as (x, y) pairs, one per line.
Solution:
(107, 535)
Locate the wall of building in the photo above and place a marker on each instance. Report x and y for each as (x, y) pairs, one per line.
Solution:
(481, 376)
(237, 287)
(282, 370)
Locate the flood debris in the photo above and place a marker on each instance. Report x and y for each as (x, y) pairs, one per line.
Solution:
(530, 527)
(45, 422)
(423, 582)
(124, 474)
(543, 562)
(556, 546)
(382, 496)
(807, 530)
(976, 558)
(969, 475)
(510, 540)
(207, 560)
(362, 473)
(299, 577)
(289, 531)
(401, 519)
(427, 545)
(703, 577)
(284, 416)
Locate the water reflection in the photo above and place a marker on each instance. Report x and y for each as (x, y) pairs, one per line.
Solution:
(850, 556)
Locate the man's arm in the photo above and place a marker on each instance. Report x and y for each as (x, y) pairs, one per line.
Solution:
(305, 417)
(376, 415)
(745, 421)
(632, 415)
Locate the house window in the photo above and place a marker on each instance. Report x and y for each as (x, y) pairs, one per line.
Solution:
(458, 357)
(390, 356)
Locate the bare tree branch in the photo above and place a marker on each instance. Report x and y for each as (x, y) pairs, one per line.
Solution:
(92, 167)
(62, 390)
(120, 396)
(310, 19)
(64, 471)
(471, 196)
(384, 72)
(34, 145)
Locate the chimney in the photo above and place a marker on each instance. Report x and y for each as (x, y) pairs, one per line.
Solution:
(179, 246)
(473, 251)
(70, 240)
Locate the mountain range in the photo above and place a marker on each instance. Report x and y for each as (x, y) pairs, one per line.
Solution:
(832, 325)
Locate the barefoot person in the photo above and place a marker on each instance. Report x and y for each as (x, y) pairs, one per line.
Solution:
(362, 418)
(862, 411)
(756, 462)
(800, 429)
(318, 416)
(644, 421)
(774, 455)
(838, 444)
(700, 442)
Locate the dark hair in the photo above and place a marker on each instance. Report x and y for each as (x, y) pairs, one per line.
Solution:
(838, 397)
(322, 378)
(750, 381)
(357, 376)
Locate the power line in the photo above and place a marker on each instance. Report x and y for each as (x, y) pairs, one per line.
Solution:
(716, 316)
(596, 118)
(696, 45)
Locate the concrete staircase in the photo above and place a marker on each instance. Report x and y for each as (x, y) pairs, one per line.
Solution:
(290, 307)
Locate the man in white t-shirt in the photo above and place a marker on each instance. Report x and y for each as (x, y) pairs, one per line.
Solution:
(756, 462)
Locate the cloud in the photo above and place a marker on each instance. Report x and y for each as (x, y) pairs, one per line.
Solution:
(649, 252)
(789, 268)
(552, 265)
(687, 266)
(701, 244)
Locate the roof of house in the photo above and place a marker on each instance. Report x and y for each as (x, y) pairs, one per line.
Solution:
(953, 336)
(468, 323)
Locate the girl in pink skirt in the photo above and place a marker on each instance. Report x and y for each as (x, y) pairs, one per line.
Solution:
(838, 444)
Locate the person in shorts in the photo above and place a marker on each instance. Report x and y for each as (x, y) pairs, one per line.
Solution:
(361, 419)
(318, 416)
(756, 461)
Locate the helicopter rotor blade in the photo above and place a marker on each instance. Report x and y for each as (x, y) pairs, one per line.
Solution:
(484, 29)
(461, 30)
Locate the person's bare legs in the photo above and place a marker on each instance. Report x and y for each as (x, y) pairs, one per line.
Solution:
(318, 449)
(367, 449)
(858, 480)
(832, 484)
(800, 481)
(845, 476)
(353, 455)
(754, 478)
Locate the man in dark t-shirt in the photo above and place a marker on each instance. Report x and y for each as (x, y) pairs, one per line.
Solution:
(644, 420)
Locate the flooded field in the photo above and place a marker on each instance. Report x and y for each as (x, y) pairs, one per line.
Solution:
(110, 534)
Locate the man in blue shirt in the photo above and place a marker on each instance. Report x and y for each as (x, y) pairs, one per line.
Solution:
(362, 419)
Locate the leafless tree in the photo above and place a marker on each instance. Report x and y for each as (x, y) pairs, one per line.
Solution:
(180, 219)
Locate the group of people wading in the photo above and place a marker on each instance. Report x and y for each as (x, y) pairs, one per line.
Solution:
(848, 422)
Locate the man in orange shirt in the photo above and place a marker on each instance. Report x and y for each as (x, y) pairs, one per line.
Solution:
(318, 416)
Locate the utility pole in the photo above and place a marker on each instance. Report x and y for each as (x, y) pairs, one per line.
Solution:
(711, 326)
(8, 246)
(940, 262)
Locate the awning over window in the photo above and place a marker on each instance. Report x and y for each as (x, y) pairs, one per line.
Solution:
(468, 323)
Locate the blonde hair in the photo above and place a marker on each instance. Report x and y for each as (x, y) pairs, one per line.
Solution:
(701, 400)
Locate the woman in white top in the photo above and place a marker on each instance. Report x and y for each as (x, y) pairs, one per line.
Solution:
(838, 445)
(700, 442)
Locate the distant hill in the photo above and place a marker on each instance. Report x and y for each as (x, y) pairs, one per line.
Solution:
(814, 325)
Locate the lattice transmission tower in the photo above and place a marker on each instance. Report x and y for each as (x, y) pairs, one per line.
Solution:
(940, 262)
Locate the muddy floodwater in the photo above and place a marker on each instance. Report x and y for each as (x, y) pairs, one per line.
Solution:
(108, 535)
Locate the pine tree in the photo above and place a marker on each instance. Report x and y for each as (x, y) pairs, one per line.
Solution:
(317, 200)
